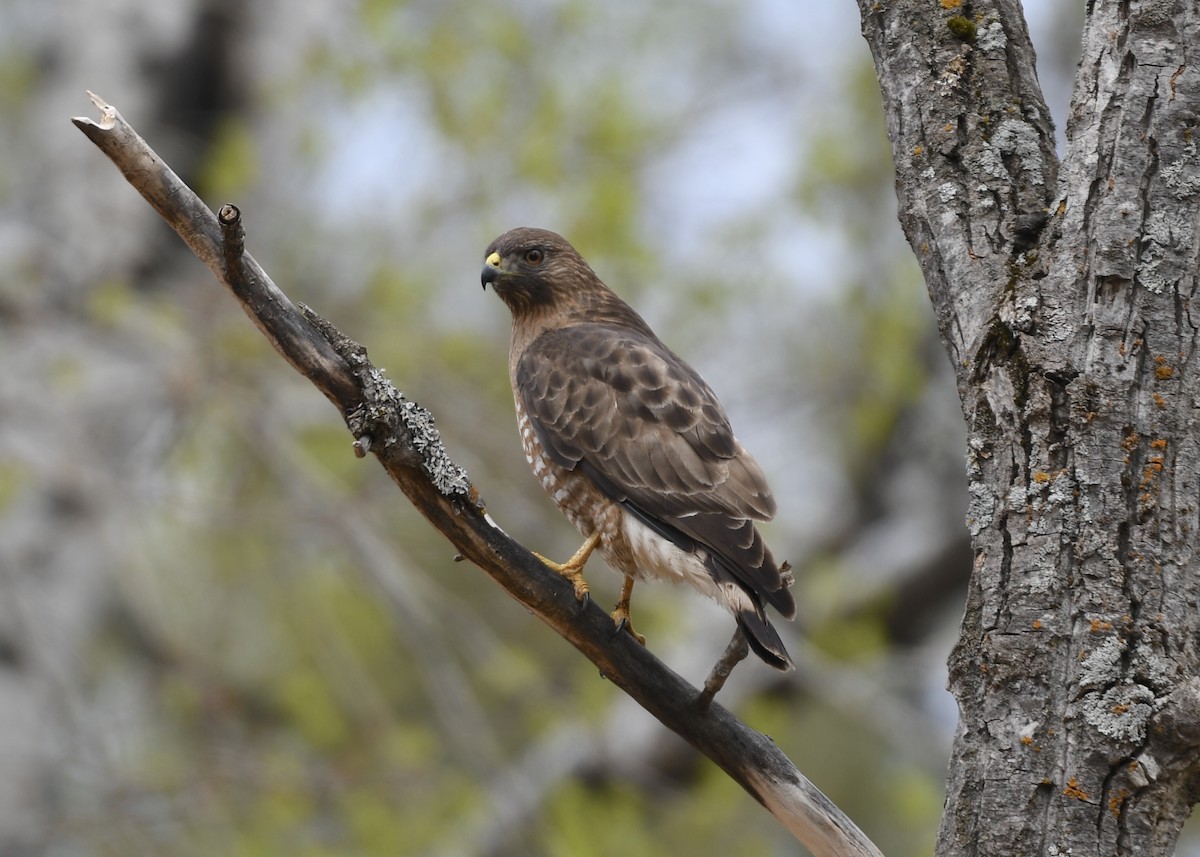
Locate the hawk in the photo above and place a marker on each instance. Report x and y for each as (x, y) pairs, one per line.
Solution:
(631, 443)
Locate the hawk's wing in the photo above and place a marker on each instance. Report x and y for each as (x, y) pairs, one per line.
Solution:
(649, 432)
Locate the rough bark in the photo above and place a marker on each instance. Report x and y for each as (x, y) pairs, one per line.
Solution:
(402, 436)
(1063, 296)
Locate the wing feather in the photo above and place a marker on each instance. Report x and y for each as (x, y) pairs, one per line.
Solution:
(647, 429)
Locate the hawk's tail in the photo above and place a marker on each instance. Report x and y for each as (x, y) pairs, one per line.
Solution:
(747, 607)
(761, 636)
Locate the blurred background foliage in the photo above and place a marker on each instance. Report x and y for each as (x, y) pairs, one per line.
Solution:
(222, 634)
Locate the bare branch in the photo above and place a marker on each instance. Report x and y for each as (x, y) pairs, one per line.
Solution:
(735, 652)
(402, 436)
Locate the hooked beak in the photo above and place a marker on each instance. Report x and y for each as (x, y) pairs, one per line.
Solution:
(491, 270)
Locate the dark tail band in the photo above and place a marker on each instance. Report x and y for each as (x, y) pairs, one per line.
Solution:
(763, 639)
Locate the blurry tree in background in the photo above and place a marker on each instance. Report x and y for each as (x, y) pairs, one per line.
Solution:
(221, 633)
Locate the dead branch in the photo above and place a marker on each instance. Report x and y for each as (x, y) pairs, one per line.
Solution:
(403, 437)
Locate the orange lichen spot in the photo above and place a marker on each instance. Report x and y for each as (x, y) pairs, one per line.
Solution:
(1150, 472)
(1159, 400)
(1161, 370)
(918, 150)
(949, 126)
(1026, 740)
(1062, 208)
(1073, 790)
(1041, 477)
(1129, 444)
(1115, 802)
(1099, 625)
(951, 4)
(1158, 443)
(1037, 624)
(1120, 708)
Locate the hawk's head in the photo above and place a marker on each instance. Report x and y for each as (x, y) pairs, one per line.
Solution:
(536, 269)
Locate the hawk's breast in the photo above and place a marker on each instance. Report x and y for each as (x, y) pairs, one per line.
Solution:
(579, 500)
(628, 545)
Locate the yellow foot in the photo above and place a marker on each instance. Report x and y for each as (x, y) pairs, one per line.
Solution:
(572, 569)
(620, 614)
(575, 575)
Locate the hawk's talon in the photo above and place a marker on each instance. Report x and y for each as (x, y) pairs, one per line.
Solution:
(622, 623)
(572, 569)
(620, 614)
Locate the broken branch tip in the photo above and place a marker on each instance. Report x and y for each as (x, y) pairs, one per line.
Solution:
(108, 113)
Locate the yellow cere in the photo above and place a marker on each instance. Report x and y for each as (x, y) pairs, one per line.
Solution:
(494, 260)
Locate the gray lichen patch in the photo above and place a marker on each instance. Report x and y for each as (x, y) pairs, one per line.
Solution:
(1159, 265)
(447, 477)
(1181, 176)
(1120, 712)
(1102, 666)
(1115, 706)
(990, 37)
(1150, 666)
(416, 428)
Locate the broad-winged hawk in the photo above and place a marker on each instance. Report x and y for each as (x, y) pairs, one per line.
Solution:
(630, 442)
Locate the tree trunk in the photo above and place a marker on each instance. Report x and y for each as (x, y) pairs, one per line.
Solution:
(1063, 296)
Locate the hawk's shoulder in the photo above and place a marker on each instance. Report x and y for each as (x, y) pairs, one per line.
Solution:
(639, 420)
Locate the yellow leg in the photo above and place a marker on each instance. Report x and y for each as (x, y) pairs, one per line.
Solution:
(572, 569)
(620, 614)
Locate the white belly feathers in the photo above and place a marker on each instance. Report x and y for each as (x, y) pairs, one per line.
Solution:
(660, 558)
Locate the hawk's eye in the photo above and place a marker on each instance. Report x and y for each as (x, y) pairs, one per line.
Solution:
(534, 256)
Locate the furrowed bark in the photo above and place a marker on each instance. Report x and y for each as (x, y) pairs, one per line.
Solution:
(1063, 295)
(402, 436)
